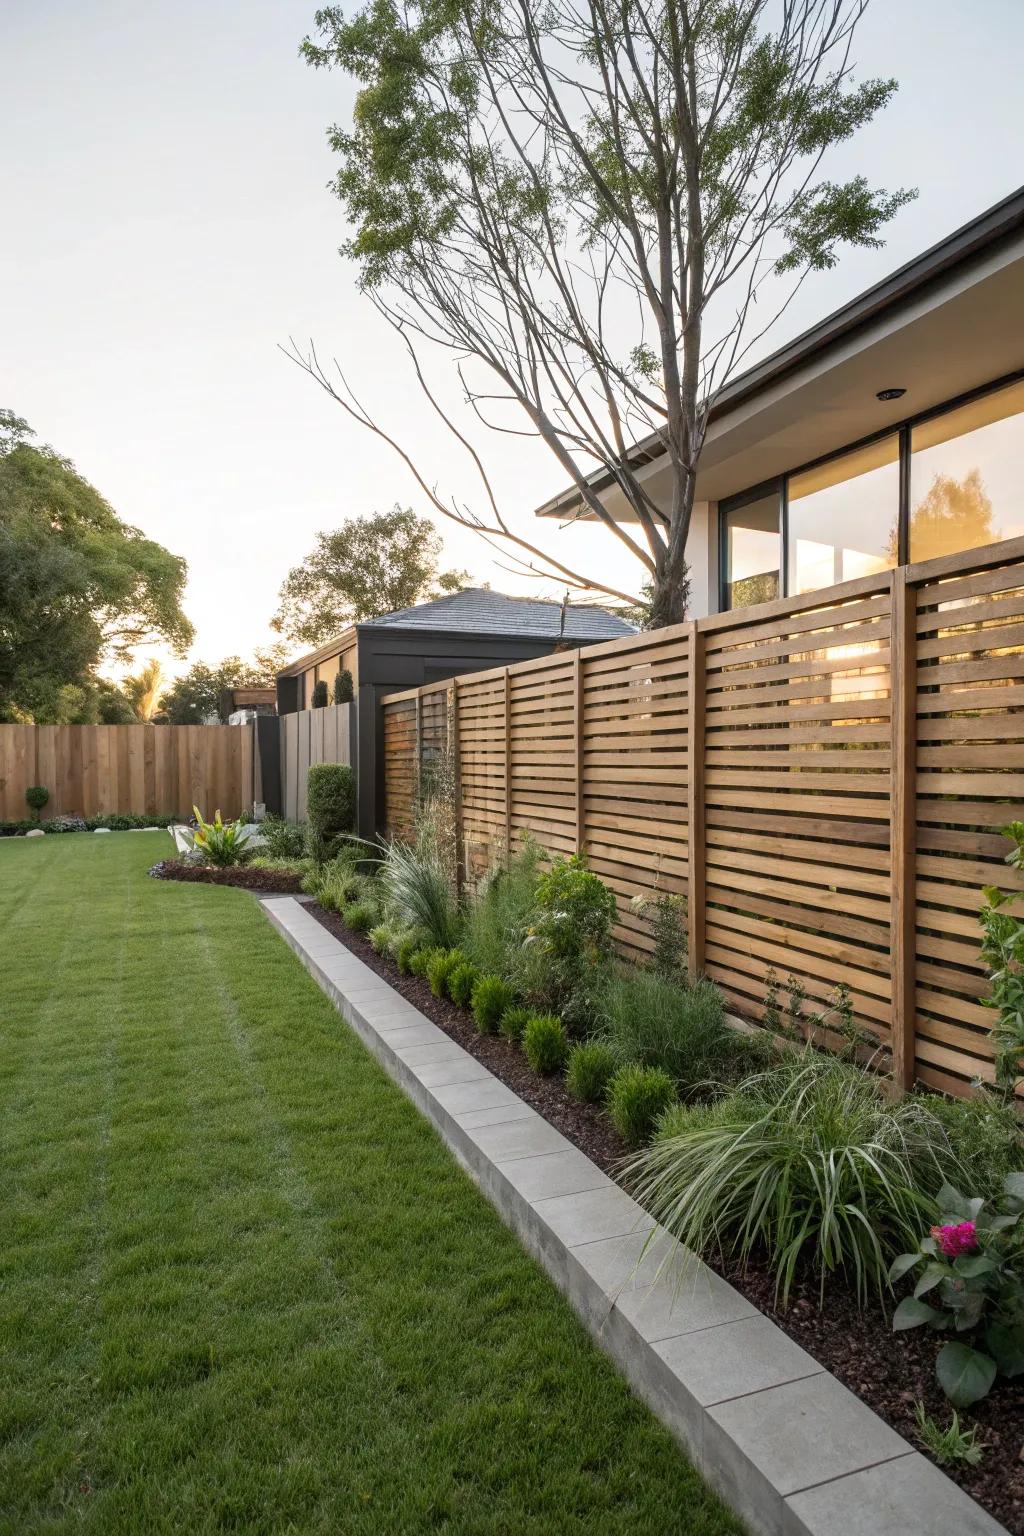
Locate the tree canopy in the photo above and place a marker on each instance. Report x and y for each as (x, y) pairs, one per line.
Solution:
(77, 585)
(367, 567)
(196, 696)
(595, 211)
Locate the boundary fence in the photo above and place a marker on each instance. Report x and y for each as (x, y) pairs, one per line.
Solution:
(823, 777)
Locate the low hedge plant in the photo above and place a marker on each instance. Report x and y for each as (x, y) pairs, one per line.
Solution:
(545, 1043)
(490, 998)
(461, 982)
(590, 1069)
(637, 1098)
(513, 1022)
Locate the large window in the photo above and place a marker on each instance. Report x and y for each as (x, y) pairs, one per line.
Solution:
(967, 476)
(941, 484)
(844, 517)
(751, 549)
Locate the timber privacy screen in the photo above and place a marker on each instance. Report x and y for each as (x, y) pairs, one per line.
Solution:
(824, 777)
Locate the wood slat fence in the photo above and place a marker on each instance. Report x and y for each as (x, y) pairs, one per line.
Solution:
(312, 736)
(824, 777)
(155, 770)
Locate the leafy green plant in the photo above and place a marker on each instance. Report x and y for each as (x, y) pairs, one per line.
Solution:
(37, 796)
(220, 843)
(381, 938)
(513, 1022)
(319, 699)
(282, 839)
(331, 800)
(589, 1070)
(1002, 950)
(461, 982)
(420, 959)
(950, 1445)
(408, 944)
(637, 1098)
(490, 997)
(575, 911)
(545, 1043)
(343, 693)
(808, 1162)
(969, 1272)
(654, 1022)
(985, 1134)
(497, 924)
(665, 915)
(419, 893)
(361, 914)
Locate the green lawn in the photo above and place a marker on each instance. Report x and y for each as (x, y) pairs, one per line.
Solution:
(243, 1286)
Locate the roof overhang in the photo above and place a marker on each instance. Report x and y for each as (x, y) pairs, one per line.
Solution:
(342, 642)
(948, 322)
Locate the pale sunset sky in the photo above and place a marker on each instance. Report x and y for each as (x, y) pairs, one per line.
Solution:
(167, 224)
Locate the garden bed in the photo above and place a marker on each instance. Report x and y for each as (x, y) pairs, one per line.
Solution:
(279, 882)
(857, 1346)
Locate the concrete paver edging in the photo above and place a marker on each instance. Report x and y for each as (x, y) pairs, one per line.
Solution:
(785, 1444)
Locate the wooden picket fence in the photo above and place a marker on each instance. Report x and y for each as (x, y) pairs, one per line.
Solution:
(824, 777)
(155, 770)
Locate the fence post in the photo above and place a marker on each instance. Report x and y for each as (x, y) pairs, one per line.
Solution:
(695, 860)
(577, 718)
(903, 823)
(418, 775)
(508, 767)
(456, 760)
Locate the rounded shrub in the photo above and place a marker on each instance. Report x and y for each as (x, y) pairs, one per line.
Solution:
(343, 693)
(590, 1069)
(513, 1022)
(490, 997)
(37, 795)
(545, 1043)
(331, 799)
(406, 945)
(461, 982)
(637, 1098)
(360, 915)
(442, 963)
(319, 700)
(420, 959)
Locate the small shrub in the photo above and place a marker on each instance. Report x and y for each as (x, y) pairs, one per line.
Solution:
(513, 1022)
(497, 924)
(381, 938)
(461, 982)
(343, 693)
(319, 700)
(665, 915)
(986, 1138)
(440, 969)
(490, 997)
(575, 910)
(282, 839)
(360, 915)
(408, 944)
(590, 1068)
(37, 795)
(637, 1098)
(545, 1043)
(420, 959)
(331, 799)
(651, 1021)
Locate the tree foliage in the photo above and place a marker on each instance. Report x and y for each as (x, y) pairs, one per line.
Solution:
(367, 567)
(196, 695)
(595, 210)
(76, 583)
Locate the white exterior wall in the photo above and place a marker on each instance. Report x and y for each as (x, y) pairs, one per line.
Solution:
(702, 558)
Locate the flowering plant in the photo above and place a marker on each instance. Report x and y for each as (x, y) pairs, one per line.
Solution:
(972, 1276)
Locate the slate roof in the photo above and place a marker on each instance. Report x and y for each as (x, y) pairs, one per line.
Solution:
(477, 610)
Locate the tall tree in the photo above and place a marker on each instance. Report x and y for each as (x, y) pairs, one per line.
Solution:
(368, 566)
(196, 696)
(76, 583)
(596, 209)
(145, 689)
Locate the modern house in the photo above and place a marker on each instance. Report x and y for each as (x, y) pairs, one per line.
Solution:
(464, 632)
(891, 432)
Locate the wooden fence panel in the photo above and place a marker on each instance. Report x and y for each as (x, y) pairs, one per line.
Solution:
(824, 776)
(155, 770)
(310, 736)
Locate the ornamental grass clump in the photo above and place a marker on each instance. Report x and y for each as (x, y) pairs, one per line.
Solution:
(490, 997)
(590, 1069)
(418, 893)
(637, 1098)
(545, 1043)
(360, 915)
(807, 1164)
(653, 1021)
(497, 923)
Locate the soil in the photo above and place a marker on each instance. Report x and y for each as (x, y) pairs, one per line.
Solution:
(268, 882)
(856, 1345)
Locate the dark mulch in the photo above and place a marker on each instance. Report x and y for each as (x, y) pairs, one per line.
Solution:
(278, 882)
(889, 1373)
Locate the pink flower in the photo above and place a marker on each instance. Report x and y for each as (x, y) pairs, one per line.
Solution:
(953, 1240)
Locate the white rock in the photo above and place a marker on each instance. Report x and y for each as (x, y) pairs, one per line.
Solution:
(36, 832)
(98, 830)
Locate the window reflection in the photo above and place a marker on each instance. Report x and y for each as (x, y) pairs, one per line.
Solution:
(843, 517)
(966, 487)
(753, 550)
